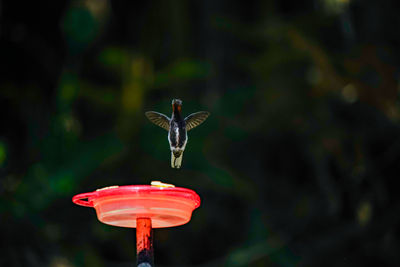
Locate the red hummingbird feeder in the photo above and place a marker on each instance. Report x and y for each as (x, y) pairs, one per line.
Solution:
(143, 207)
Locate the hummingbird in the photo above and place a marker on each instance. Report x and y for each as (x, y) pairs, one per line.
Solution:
(177, 128)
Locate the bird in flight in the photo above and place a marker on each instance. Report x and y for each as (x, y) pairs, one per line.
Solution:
(177, 128)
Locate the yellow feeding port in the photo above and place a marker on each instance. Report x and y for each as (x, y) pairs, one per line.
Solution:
(161, 184)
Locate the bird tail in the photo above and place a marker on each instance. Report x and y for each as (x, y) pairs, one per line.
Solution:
(176, 160)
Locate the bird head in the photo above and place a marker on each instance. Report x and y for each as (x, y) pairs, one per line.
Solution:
(176, 105)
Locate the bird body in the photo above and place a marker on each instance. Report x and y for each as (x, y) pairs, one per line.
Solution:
(177, 136)
(177, 128)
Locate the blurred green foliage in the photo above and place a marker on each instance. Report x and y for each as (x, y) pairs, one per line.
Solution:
(3, 153)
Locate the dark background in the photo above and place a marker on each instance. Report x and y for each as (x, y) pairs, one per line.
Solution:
(296, 166)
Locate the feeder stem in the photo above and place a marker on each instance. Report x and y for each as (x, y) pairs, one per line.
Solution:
(144, 243)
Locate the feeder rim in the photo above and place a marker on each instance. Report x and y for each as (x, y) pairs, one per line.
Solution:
(141, 190)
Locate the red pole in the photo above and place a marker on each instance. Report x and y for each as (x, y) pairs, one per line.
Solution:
(144, 242)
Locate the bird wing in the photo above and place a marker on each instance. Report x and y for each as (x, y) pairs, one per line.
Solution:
(195, 119)
(158, 119)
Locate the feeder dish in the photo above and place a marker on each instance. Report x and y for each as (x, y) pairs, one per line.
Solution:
(122, 205)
